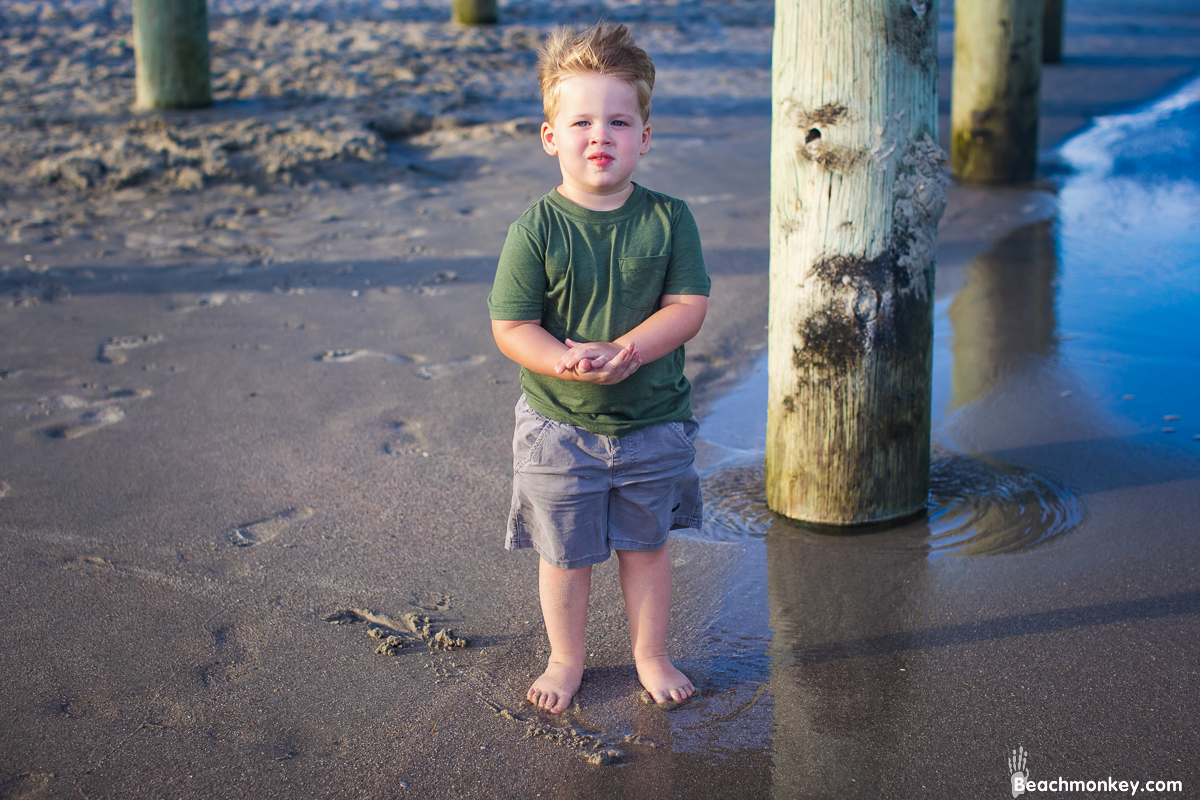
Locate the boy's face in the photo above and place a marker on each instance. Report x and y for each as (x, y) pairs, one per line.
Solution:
(597, 134)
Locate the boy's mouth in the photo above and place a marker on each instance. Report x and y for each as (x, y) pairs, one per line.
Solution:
(601, 159)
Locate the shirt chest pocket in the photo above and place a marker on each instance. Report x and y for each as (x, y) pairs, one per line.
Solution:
(642, 281)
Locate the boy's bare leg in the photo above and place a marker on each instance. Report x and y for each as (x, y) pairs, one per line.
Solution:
(646, 584)
(564, 595)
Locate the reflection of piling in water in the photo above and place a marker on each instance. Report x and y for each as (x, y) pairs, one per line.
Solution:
(838, 701)
(1005, 311)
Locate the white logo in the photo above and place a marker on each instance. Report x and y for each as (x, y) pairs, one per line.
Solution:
(1017, 771)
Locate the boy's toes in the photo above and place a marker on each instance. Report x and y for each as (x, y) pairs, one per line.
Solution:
(550, 701)
(542, 698)
(664, 684)
(556, 687)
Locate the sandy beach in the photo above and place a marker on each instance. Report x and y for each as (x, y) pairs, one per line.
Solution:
(255, 434)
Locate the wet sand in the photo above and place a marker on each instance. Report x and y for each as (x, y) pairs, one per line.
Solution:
(255, 429)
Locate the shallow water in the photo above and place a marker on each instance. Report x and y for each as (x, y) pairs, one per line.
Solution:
(847, 657)
(1097, 306)
(976, 507)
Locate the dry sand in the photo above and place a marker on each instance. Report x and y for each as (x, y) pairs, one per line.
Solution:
(255, 434)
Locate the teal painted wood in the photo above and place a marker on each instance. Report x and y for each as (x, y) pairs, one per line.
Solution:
(170, 41)
(474, 12)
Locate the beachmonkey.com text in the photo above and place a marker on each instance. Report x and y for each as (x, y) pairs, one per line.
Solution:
(1131, 788)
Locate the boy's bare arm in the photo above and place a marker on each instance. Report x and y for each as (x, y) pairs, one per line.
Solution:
(675, 323)
(530, 345)
(677, 320)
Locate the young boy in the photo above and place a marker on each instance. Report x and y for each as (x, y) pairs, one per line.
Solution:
(599, 285)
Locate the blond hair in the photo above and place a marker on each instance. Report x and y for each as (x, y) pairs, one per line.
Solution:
(603, 49)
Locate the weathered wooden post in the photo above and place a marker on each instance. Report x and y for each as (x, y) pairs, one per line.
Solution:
(997, 90)
(474, 12)
(1053, 18)
(857, 189)
(170, 42)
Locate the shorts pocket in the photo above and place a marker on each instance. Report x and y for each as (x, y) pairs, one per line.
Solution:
(642, 281)
(530, 429)
(686, 431)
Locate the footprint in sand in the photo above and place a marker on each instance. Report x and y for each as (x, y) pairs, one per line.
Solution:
(105, 412)
(408, 439)
(71, 401)
(211, 300)
(264, 530)
(431, 601)
(345, 356)
(433, 285)
(88, 423)
(113, 351)
(431, 372)
(425, 372)
(30, 784)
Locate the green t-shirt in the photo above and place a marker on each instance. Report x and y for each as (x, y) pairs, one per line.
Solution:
(593, 276)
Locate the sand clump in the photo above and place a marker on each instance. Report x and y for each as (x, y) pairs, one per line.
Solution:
(389, 645)
(445, 639)
(395, 634)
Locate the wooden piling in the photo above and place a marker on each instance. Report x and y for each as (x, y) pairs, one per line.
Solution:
(474, 12)
(1053, 18)
(170, 42)
(996, 90)
(857, 190)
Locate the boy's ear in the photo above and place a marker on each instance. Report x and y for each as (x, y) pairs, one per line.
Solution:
(548, 143)
(645, 140)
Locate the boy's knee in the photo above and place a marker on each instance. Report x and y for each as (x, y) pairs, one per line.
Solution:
(639, 556)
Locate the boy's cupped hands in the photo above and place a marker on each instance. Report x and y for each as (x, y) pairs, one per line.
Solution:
(603, 363)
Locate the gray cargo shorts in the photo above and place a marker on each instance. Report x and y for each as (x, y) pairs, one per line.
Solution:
(577, 495)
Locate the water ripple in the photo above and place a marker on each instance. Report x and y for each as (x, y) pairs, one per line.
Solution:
(977, 507)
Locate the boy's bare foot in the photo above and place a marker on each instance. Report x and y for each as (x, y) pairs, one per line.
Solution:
(662, 681)
(556, 686)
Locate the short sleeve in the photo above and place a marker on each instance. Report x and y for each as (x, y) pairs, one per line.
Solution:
(519, 291)
(686, 273)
